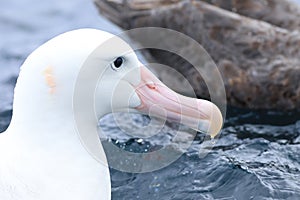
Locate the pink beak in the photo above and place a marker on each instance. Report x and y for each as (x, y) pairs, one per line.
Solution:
(160, 101)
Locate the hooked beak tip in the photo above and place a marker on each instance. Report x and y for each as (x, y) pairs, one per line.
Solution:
(216, 122)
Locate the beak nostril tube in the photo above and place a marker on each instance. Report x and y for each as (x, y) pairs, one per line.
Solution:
(151, 85)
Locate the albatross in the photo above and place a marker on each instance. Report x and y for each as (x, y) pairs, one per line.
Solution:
(42, 156)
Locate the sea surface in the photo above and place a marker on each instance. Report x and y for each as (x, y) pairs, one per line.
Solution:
(256, 157)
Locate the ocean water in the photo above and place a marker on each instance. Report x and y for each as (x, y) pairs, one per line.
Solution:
(256, 157)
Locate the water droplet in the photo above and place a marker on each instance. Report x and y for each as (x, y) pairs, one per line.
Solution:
(140, 141)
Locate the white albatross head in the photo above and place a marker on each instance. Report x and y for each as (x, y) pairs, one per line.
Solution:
(97, 63)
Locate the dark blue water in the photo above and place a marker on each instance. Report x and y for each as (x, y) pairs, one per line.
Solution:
(256, 157)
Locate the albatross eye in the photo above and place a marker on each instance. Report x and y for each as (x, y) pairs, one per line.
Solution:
(118, 62)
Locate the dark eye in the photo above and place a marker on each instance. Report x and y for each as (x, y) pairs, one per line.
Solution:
(118, 62)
